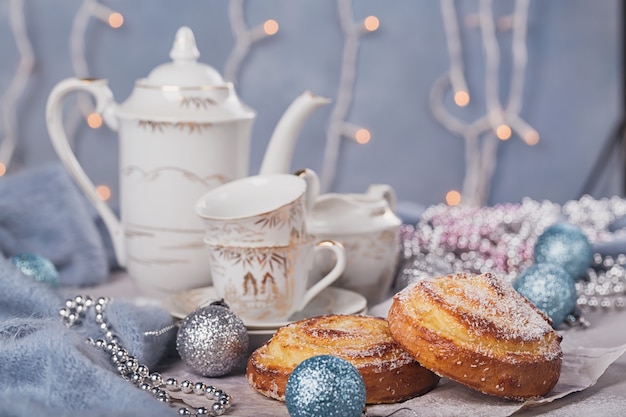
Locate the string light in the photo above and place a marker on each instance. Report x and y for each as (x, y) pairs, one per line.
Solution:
(336, 126)
(8, 102)
(453, 38)
(362, 136)
(94, 120)
(371, 23)
(531, 138)
(453, 198)
(270, 27)
(357, 133)
(526, 132)
(84, 109)
(116, 20)
(491, 52)
(499, 123)
(504, 132)
(461, 98)
(104, 192)
(244, 37)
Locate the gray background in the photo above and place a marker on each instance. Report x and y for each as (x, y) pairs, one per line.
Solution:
(572, 87)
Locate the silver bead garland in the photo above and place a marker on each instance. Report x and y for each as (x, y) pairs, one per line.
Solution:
(168, 391)
(605, 285)
(499, 239)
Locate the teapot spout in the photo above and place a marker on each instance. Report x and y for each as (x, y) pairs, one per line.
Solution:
(277, 158)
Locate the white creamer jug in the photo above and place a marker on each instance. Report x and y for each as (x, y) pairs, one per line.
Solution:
(369, 229)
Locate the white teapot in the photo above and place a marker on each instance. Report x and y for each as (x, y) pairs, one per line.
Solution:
(182, 132)
(369, 229)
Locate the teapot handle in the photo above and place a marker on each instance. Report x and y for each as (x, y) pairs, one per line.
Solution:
(313, 186)
(384, 191)
(54, 121)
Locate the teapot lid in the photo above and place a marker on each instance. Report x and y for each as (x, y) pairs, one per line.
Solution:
(184, 70)
(185, 90)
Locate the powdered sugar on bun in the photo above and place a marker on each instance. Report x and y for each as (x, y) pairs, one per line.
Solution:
(477, 330)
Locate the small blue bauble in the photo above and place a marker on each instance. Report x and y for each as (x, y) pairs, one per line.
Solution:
(550, 288)
(38, 267)
(564, 244)
(327, 386)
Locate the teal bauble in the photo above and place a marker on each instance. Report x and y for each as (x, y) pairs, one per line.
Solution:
(327, 386)
(37, 267)
(566, 245)
(550, 288)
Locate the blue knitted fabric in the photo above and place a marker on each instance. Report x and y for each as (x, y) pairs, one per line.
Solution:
(43, 212)
(48, 369)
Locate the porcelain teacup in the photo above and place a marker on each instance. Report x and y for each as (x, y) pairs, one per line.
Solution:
(264, 284)
(260, 210)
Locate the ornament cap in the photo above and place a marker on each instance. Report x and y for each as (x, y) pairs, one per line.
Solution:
(220, 303)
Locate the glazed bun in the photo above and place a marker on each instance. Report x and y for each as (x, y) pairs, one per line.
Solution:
(477, 330)
(389, 373)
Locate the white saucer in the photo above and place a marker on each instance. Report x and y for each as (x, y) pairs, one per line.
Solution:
(330, 301)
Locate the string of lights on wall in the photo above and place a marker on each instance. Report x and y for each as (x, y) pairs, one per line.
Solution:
(337, 126)
(83, 111)
(244, 37)
(481, 136)
(89, 9)
(9, 100)
(499, 122)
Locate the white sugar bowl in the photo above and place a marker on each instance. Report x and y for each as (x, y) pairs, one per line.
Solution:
(369, 229)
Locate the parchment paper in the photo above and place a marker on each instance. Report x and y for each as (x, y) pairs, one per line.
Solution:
(581, 369)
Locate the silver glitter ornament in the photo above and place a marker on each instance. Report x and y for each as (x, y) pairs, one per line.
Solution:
(212, 340)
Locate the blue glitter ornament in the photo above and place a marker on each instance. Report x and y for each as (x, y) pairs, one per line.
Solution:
(327, 386)
(564, 244)
(550, 288)
(38, 267)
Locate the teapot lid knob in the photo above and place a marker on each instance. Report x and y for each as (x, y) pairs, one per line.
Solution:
(184, 48)
(184, 70)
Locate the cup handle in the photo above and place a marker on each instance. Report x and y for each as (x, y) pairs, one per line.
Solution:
(331, 276)
(312, 188)
(54, 122)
